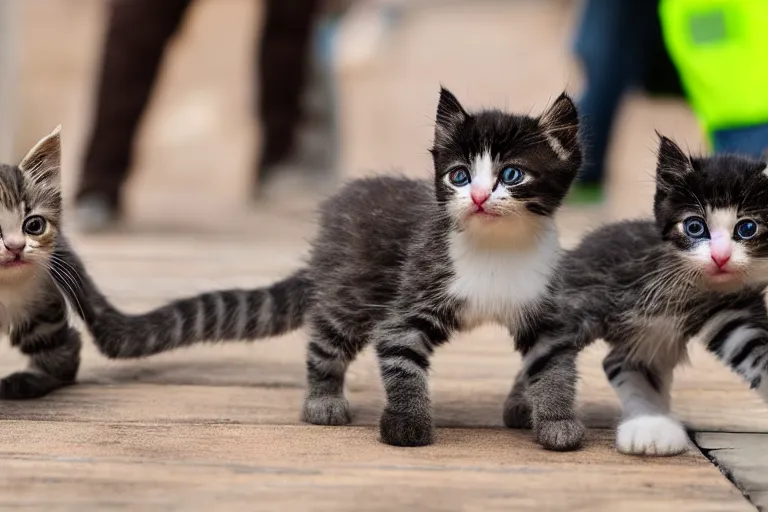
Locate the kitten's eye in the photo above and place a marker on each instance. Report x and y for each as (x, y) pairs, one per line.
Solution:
(34, 225)
(746, 229)
(695, 227)
(511, 176)
(459, 177)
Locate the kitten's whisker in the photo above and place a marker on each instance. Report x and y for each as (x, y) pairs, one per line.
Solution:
(65, 282)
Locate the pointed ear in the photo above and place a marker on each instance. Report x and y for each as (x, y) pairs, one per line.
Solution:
(672, 163)
(560, 123)
(43, 162)
(449, 112)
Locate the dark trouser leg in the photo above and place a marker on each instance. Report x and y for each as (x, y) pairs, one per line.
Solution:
(613, 44)
(137, 35)
(282, 74)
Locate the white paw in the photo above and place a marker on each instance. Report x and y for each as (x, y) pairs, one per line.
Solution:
(651, 435)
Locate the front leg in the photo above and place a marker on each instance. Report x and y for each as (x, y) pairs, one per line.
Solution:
(646, 427)
(549, 373)
(404, 348)
(54, 351)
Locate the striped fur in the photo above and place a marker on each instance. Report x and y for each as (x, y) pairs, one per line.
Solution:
(33, 312)
(644, 287)
(398, 263)
(226, 315)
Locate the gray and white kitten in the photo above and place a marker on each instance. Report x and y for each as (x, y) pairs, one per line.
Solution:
(33, 312)
(648, 287)
(398, 263)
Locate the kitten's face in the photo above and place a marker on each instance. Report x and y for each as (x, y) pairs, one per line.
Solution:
(714, 211)
(499, 176)
(30, 211)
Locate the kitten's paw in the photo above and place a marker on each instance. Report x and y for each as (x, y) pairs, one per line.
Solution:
(326, 410)
(517, 412)
(403, 429)
(27, 385)
(651, 435)
(560, 435)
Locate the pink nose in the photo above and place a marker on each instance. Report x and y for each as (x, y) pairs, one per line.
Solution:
(15, 247)
(721, 259)
(480, 196)
(720, 247)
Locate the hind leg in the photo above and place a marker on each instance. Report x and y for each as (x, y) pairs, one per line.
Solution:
(54, 360)
(517, 410)
(329, 353)
(550, 373)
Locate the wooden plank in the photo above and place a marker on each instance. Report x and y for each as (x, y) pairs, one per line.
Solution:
(470, 379)
(744, 458)
(238, 467)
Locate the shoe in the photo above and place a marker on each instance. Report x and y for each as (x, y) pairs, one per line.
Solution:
(95, 213)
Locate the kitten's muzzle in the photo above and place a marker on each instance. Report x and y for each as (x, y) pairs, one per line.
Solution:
(15, 248)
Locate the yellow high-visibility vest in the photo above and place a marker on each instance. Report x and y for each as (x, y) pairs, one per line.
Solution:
(720, 48)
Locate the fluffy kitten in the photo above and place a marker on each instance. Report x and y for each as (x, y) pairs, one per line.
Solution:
(648, 287)
(32, 310)
(398, 263)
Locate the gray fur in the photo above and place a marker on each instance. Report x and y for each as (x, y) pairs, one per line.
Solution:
(382, 270)
(33, 312)
(643, 287)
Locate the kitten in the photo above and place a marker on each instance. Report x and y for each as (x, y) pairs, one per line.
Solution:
(32, 309)
(648, 287)
(398, 263)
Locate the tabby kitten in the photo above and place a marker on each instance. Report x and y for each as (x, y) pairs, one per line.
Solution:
(647, 288)
(398, 263)
(32, 310)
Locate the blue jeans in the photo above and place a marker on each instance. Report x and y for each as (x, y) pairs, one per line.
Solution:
(751, 141)
(614, 41)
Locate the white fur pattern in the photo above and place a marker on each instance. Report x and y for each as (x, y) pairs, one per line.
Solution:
(651, 435)
(497, 283)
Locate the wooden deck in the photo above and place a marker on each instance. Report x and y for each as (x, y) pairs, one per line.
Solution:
(216, 427)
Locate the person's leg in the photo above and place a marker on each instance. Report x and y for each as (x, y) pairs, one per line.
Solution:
(748, 140)
(136, 38)
(613, 44)
(283, 68)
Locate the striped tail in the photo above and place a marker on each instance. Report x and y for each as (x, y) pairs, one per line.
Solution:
(226, 315)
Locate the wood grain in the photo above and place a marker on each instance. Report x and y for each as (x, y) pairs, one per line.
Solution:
(216, 427)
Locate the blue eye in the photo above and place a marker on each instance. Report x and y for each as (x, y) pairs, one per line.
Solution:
(511, 176)
(695, 227)
(746, 229)
(459, 177)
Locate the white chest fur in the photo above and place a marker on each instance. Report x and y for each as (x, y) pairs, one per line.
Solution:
(16, 299)
(497, 283)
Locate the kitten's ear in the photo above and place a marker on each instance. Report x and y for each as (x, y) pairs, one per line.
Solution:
(43, 162)
(449, 112)
(672, 162)
(560, 123)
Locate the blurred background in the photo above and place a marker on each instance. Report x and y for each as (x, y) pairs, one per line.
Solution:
(370, 94)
